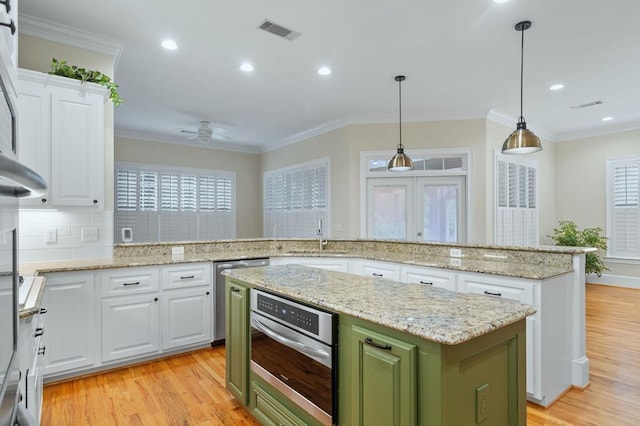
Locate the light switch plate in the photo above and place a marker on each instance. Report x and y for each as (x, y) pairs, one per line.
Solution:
(177, 251)
(455, 252)
(51, 235)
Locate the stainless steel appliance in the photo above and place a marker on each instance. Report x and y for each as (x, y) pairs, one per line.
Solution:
(219, 311)
(294, 349)
(16, 181)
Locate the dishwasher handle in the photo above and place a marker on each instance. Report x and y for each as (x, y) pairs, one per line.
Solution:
(319, 353)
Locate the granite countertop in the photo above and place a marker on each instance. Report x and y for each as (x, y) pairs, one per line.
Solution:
(34, 298)
(431, 313)
(494, 267)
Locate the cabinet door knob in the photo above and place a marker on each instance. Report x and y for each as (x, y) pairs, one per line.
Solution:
(43, 200)
(208, 293)
(95, 201)
(155, 299)
(39, 332)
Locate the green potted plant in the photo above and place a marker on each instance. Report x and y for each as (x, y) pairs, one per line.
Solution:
(61, 68)
(568, 234)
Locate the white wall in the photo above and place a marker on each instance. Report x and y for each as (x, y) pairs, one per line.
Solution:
(581, 184)
(36, 54)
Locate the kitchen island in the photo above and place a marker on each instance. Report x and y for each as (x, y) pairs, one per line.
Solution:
(439, 358)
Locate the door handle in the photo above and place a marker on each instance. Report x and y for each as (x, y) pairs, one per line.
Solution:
(369, 341)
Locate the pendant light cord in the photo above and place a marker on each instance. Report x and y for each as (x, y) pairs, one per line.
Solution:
(400, 109)
(521, 119)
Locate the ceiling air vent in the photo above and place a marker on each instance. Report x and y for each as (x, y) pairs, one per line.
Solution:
(278, 30)
(590, 104)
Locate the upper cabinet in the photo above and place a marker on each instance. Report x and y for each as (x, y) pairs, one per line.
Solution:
(61, 136)
(9, 42)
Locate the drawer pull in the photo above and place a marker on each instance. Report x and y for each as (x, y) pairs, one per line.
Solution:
(39, 332)
(235, 290)
(42, 350)
(377, 275)
(426, 282)
(188, 277)
(369, 341)
(133, 283)
(43, 310)
(11, 25)
(488, 293)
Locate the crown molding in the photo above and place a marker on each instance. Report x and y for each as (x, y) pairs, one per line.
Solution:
(47, 30)
(600, 131)
(509, 121)
(151, 137)
(307, 134)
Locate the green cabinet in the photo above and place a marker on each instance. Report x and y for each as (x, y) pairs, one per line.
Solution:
(268, 410)
(385, 371)
(237, 339)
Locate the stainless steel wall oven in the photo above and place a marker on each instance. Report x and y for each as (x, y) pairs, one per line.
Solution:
(294, 349)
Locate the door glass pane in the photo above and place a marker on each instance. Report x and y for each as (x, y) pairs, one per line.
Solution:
(440, 213)
(389, 212)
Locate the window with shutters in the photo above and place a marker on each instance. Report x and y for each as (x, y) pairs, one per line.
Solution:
(623, 212)
(161, 203)
(296, 199)
(516, 205)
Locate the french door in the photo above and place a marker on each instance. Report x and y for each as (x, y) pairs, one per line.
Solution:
(417, 208)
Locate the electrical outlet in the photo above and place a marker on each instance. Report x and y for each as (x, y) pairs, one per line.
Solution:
(177, 251)
(89, 235)
(482, 412)
(51, 235)
(455, 252)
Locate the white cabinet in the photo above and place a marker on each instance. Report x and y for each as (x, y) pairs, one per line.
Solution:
(72, 333)
(186, 317)
(428, 276)
(375, 268)
(130, 326)
(187, 305)
(31, 352)
(61, 131)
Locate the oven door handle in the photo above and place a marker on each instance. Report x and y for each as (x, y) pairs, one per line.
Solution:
(29, 183)
(319, 353)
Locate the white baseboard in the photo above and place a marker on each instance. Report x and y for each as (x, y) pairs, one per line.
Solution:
(614, 280)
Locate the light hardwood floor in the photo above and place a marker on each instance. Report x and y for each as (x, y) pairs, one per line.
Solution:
(188, 390)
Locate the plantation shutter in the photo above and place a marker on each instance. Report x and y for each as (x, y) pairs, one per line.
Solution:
(516, 213)
(295, 199)
(624, 234)
(167, 204)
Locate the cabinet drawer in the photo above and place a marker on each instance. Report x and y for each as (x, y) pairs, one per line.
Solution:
(269, 411)
(380, 269)
(129, 281)
(440, 279)
(186, 275)
(522, 294)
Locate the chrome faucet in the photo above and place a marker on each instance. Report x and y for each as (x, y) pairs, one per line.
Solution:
(323, 242)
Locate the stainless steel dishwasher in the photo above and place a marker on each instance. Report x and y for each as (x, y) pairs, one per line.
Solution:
(219, 311)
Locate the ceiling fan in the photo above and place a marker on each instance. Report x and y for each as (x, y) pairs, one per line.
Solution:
(206, 134)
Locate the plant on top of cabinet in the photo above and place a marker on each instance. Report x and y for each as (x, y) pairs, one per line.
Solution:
(71, 71)
(569, 235)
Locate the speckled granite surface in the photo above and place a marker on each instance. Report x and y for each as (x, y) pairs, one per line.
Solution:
(34, 298)
(523, 262)
(430, 313)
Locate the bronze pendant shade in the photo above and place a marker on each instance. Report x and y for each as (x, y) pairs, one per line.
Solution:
(522, 140)
(400, 162)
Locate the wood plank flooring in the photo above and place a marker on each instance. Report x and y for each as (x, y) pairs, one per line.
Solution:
(188, 390)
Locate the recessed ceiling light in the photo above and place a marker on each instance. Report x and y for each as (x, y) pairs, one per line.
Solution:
(246, 67)
(607, 118)
(169, 44)
(557, 86)
(500, 1)
(324, 71)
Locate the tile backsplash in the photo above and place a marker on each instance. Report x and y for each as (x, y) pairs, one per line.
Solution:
(67, 228)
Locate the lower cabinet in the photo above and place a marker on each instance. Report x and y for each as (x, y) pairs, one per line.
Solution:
(130, 326)
(237, 346)
(269, 410)
(72, 338)
(96, 318)
(384, 379)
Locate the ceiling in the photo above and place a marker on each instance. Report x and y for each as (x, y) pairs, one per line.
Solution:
(461, 59)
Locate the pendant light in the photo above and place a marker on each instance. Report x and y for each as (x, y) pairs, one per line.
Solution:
(522, 140)
(400, 162)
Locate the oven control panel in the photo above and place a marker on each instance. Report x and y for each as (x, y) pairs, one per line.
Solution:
(289, 313)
